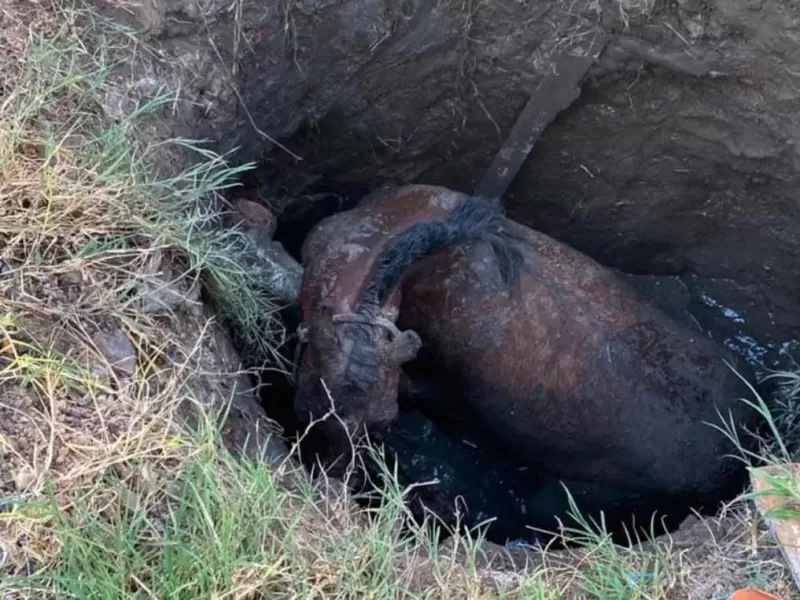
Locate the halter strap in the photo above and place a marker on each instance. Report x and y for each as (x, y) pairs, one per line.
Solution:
(383, 322)
(302, 329)
(364, 320)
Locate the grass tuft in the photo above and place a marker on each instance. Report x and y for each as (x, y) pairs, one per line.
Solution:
(614, 571)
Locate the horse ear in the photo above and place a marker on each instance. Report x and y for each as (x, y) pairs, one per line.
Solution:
(405, 347)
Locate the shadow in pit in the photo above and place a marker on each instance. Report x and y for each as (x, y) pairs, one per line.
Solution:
(458, 475)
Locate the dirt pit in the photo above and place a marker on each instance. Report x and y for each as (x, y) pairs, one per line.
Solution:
(676, 164)
(457, 472)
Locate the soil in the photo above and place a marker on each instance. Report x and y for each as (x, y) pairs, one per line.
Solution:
(78, 422)
(676, 165)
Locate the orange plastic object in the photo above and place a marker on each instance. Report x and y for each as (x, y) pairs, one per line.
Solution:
(752, 594)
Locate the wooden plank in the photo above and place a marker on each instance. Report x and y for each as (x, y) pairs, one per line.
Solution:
(781, 511)
(555, 93)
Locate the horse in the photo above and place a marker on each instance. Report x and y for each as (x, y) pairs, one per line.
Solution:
(569, 369)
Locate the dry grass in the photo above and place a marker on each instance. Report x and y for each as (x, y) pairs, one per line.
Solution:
(105, 490)
(102, 340)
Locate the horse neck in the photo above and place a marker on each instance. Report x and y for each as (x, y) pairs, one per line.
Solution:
(341, 272)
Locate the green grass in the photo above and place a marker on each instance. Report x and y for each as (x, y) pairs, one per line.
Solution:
(58, 85)
(618, 572)
(779, 448)
(226, 527)
(240, 293)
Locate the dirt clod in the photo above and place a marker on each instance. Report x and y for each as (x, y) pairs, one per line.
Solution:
(251, 215)
(117, 349)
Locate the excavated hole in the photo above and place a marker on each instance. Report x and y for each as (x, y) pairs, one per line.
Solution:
(473, 479)
(701, 232)
(677, 164)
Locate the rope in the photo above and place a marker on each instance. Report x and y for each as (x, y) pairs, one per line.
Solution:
(302, 331)
(393, 330)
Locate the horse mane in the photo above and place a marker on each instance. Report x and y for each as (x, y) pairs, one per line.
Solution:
(473, 219)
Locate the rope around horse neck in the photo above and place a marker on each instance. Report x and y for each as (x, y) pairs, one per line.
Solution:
(373, 321)
(376, 321)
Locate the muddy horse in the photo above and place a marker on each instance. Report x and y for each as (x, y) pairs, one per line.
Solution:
(572, 372)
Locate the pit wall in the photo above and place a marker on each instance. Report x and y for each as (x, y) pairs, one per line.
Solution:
(678, 160)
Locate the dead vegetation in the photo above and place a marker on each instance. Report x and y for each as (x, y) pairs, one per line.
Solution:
(106, 491)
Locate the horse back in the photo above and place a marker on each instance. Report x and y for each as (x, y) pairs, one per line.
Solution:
(577, 370)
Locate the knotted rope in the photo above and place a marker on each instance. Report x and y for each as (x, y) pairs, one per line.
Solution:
(372, 321)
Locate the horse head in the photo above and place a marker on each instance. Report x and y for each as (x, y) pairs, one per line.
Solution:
(352, 366)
